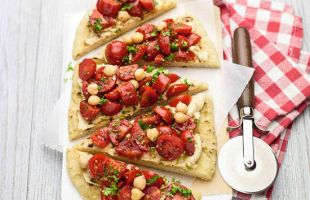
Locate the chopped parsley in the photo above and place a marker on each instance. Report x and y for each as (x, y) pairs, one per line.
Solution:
(102, 79)
(166, 33)
(116, 123)
(161, 97)
(110, 191)
(170, 57)
(157, 47)
(159, 71)
(185, 81)
(184, 44)
(126, 6)
(126, 59)
(154, 33)
(132, 49)
(174, 46)
(185, 192)
(102, 101)
(70, 67)
(99, 87)
(143, 125)
(149, 68)
(152, 180)
(98, 25)
(189, 139)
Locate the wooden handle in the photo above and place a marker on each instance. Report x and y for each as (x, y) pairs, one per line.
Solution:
(242, 54)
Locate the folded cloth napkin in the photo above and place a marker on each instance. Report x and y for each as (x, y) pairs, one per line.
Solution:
(282, 81)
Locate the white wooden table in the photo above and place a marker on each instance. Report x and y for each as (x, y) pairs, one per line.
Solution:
(30, 78)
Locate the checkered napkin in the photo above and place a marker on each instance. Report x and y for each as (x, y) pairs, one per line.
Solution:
(282, 80)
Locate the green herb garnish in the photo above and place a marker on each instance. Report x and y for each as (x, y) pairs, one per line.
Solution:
(174, 46)
(149, 69)
(152, 180)
(110, 191)
(103, 101)
(70, 67)
(166, 33)
(154, 33)
(143, 125)
(98, 25)
(185, 81)
(126, 59)
(170, 57)
(126, 6)
(185, 192)
(132, 49)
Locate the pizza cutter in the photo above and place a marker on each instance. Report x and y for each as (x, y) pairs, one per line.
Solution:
(245, 162)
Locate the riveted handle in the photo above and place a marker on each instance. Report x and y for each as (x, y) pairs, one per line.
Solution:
(242, 54)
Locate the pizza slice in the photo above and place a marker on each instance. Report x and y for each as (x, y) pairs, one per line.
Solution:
(112, 18)
(180, 42)
(100, 177)
(179, 138)
(103, 92)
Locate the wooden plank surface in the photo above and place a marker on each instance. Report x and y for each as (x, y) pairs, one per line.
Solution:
(30, 78)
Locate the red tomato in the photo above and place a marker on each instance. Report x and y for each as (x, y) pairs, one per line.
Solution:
(182, 29)
(141, 50)
(149, 97)
(188, 140)
(184, 56)
(148, 31)
(87, 69)
(88, 112)
(84, 90)
(164, 44)
(152, 50)
(131, 175)
(103, 197)
(96, 165)
(115, 52)
(111, 108)
(164, 129)
(125, 73)
(148, 5)
(144, 81)
(159, 59)
(194, 39)
(188, 125)
(164, 113)
(178, 195)
(118, 130)
(170, 147)
(125, 193)
(161, 83)
(94, 16)
(101, 137)
(99, 73)
(128, 148)
(106, 84)
(108, 7)
(169, 21)
(128, 94)
(114, 95)
(184, 98)
(136, 9)
(176, 89)
(139, 136)
(183, 42)
(151, 119)
(173, 77)
(152, 193)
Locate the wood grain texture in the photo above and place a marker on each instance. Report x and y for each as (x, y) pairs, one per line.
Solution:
(30, 80)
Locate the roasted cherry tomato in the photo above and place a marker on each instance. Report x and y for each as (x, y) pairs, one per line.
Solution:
(108, 7)
(164, 44)
(184, 98)
(88, 112)
(176, 89)
(164, 113)
(152, 193)
(188, 140)
(170, 147)
(106, 84)
(148, 5)
(152, 50)
(159, 59)
(164, 129)
(169, 21)
(96, 165)
(87, 69)
(99, 74)
(109, 197)
(141, 50)
(157, 180)
(111, 108)
(136, 9)
(125, 193)
(139, 136)
(178, 195)
(128, 148)
(184, 56)
(84, 90)
(194, 39)
(144, 82)
(151, 119)
(183, 42)
(188, 125)
(128, 94)
(114, 95)
(118, 129)
(161, 83)
(131, 175)
(148, 30)
(125, 73)
(116, 52)
(173, 77)
(101, 137)
(95, 15)
(149, 97)
(182, 29)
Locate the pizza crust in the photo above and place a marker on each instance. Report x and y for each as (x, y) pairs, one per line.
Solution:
(204, 168)
(80, 48)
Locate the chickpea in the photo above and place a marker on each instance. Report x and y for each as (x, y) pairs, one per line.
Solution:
(137, 37)
(139, 74)
(152, 134)
(180, 117)
(128, 39)
(181, 107)
(135, 83)
(110, 70)
(93, 100)
(161, 26)
(92, 89)
(139, 182)
(123, 16)
(136, 194)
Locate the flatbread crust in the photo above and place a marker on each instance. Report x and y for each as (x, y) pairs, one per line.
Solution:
(204, 168)
(76, 97)
(80, 46)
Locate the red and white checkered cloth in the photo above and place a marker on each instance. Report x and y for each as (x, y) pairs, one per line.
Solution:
(282, 80)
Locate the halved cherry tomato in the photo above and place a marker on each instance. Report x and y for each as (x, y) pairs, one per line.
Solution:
(106, 84)
(87, 69)
(118, 129)
(194, 39)
(125, 193)
(141, 50)
(114, 95)
(136, 9)
(164, 44)
(96, 165)
(101, 137)
(144, 81)
(148, 5)
(139, 136)
(149, 97)
(148, 30)
(188, 139)
(164, 113)
(182, 29)
(128, 148)
(108, 7)
(184, 98)
(159, 59)
(170, 147)
(131, 175)
(152, 193)
(169, 21)
(151, 119)
(99, 73)
(159, 181)
(128, 94)
(173, 77)
(188, 125)
(84, 90)
(152, 50)
(125, 73)
(184, 56)
(176, 89)
(115, 52)
(178, 195)
(183, 42)
(111, 108)
(164, 129)
(161, 83)
(88, 112)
